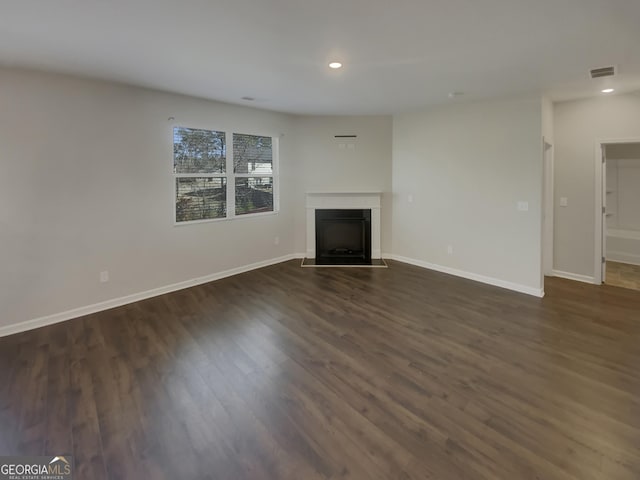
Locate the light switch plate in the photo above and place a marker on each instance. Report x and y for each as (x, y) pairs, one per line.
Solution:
(564, 201)
(523, 206)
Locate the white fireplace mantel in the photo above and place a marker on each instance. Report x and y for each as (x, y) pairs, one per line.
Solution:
(344, 200)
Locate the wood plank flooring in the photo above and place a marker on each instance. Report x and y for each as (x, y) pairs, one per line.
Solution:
(299, 373)
(623, 275)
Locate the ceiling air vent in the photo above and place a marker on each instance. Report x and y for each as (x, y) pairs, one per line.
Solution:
(603, 72)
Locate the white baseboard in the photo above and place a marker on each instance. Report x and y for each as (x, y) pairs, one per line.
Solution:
(136, 297)
(623, 257)
(496, 282)
(574, 276)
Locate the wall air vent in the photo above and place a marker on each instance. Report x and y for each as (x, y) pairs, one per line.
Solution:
(603, 72)
(346, 142)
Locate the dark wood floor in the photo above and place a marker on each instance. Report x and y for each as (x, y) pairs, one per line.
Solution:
(299, 373)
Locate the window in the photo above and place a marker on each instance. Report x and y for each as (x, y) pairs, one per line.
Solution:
(253, 169)
(213, 182)
(199, 165)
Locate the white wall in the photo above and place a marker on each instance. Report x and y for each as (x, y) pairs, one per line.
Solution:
(547, 120)
(623, 199)
(612, 194)
(623, 203)
(86, 186)
(578, 126)
(628, 194)
(466, 166)
(623, 246)
(322, 166)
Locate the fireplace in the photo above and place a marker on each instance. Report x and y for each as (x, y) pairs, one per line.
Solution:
(348, 229)
(343, 236)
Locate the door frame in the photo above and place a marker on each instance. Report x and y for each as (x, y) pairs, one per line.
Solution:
(600, 190)
(548, 193)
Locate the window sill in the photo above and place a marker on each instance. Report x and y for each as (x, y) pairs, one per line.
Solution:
(225, 219)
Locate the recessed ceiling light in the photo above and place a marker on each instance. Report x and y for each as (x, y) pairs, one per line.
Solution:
(608, 90)
(455, 94)
(335, 65)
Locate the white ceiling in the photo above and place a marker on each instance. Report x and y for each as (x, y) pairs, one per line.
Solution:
(399, 55)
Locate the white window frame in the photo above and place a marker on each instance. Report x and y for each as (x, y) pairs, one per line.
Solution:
(231, 205)
(230, 176)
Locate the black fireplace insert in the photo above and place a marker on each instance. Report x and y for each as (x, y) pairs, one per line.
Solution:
(343, 237)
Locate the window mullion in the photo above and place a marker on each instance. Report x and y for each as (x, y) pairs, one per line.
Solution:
(199, 175)
(231, 181)
(254, 175)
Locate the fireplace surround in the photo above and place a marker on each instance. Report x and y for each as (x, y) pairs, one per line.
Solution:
(370, 202)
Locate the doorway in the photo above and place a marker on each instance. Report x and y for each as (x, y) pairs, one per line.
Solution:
(618, 232)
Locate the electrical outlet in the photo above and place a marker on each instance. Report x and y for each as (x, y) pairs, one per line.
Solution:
(104, 276)
(564, 201)
(523, 206)
(276, 240)
(450, 249)
(410, 198)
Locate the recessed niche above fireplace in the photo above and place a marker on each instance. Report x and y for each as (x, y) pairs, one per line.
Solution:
(343, 229)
